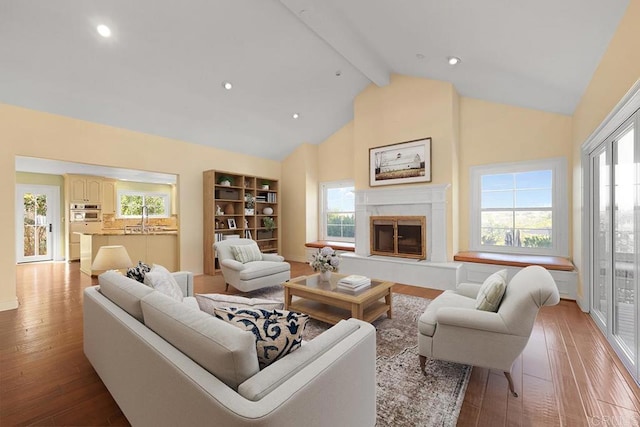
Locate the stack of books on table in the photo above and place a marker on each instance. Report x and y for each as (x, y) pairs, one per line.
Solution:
(354, 283)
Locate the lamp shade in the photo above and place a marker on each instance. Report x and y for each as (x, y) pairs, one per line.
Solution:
(111, 258)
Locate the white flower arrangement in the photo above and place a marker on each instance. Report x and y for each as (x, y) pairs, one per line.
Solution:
(325, 260)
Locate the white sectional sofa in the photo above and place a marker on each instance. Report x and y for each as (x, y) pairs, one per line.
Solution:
(154, 378)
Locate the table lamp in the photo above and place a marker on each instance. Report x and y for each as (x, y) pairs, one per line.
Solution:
(111, 258)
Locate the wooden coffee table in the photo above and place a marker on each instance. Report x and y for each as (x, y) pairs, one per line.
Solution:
(323, 301)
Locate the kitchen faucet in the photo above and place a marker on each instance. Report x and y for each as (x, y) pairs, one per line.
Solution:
(145, 211)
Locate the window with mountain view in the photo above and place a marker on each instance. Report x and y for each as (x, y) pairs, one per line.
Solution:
(520, 208)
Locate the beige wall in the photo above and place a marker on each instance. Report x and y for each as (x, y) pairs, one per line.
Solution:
(409, 108)
(299, 186)
(53, 180)
(618, 70)
(498, 133)
(31, 133)
(335, 155)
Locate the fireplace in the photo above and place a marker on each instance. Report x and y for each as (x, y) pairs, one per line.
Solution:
(427, 201)
(399, 236)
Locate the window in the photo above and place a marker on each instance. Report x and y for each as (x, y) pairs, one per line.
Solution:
(130, 204)
(337, 215)
(520, 208)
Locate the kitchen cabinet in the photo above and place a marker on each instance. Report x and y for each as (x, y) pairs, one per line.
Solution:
(85, 189)
(109, 196)
(151, 249)
(75, 228)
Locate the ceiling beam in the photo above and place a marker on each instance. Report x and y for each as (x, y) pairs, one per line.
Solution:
(331, 27)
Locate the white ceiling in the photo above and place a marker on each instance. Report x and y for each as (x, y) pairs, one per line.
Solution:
(162, 70)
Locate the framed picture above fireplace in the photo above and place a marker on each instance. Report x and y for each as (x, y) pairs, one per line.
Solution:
(401, 163)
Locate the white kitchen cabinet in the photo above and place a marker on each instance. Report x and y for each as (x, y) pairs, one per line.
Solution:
(149, 248)
(85, 189)
(109, 196)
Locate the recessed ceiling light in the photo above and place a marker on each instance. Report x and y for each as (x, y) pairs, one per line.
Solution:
(295, 115)
(419, 56)
(453, 60)
(103, 30)
(227, 85)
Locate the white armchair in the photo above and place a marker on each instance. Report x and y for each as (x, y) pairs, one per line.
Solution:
(452, 329)
(269, 270)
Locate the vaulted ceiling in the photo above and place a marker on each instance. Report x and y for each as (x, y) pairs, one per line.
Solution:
(162, 70)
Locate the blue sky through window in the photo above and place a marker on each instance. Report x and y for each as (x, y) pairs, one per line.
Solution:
(517, 190)
(341, 199)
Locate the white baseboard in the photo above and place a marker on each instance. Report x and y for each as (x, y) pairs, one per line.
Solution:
(9, 304)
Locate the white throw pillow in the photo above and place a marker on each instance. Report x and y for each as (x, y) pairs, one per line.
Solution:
(209, 302)
(246, 253)
(492, 291)
(160, 279)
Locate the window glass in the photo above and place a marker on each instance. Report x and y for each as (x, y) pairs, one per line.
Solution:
(516, 207)
(338, 211)
(130, 204)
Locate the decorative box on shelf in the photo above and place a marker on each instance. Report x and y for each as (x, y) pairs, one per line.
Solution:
(264, 234)
(225, 194)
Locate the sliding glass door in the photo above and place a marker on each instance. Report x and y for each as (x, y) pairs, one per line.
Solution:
(615, 225)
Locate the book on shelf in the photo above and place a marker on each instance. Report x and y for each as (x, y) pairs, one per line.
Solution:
(354, 280)
(230, 236)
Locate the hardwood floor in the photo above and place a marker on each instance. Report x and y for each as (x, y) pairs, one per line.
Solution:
(567, 375)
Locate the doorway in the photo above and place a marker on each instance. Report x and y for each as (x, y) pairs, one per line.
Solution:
(37, 219)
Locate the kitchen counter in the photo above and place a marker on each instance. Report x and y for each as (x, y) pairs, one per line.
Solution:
(156, 247)
(120, 232)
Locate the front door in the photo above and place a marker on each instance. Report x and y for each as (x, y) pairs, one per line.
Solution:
(35, 205)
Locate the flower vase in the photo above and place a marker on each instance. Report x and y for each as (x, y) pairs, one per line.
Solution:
(325, 276)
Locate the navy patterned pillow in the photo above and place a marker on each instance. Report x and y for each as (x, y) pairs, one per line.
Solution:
(277, 332)
(138, 272)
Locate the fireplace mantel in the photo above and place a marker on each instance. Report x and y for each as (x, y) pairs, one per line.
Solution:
(425, 200)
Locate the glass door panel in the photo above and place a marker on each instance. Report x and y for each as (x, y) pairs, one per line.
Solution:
(601, 229)
(34, 223)
(624, 243)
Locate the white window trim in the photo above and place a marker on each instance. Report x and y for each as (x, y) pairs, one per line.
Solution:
(166, 196)
(560, 210)
(323, 207)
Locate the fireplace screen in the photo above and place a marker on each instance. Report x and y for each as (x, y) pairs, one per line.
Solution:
(401, 236)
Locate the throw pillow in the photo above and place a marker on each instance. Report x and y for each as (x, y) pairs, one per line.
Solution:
(492, 291)
(160, 279)
(246, 253)
(277, 332)
(209, 302)
(138, 272)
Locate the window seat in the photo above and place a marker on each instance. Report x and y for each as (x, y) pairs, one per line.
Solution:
(338, 246)
(516, 260)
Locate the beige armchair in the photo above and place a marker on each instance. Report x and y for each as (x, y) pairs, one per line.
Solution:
(263, 271)
(452, 329)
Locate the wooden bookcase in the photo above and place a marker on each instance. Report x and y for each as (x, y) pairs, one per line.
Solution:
(229, 205)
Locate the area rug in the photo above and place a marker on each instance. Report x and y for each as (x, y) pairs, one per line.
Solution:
(405, 397)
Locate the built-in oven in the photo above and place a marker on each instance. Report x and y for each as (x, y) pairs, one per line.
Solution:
(80, 212)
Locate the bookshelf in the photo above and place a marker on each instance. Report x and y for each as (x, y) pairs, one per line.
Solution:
(238, 208)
